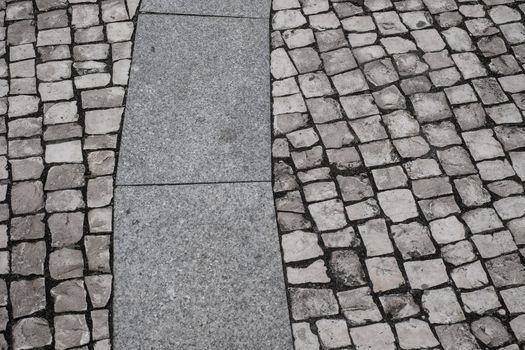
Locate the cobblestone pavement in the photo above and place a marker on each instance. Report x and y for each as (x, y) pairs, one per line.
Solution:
(399, 161)
(64, 68)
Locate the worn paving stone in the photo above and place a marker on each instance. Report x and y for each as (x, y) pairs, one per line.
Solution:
(423, 141)
(46, 146)
(417, 103)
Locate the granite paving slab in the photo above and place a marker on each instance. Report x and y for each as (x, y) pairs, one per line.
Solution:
(240, 8)
(199, 102)
(198, 267)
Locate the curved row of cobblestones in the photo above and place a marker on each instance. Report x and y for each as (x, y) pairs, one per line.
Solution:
(64, 69)
(399, 161)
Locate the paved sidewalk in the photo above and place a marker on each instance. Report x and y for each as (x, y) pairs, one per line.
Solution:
(197, 257)
(197, 265)
(399, 160)
(64, 69)
(366, 188)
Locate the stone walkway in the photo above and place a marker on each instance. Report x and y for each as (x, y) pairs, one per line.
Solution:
(396, 140)
(64, 69)
(197, 258)
(399, 161)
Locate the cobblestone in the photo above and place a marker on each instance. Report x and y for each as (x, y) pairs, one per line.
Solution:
(58, 59)
(418, 133)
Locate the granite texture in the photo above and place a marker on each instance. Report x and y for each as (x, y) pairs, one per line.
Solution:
(199, 102)
(229, 8)
(198, 267)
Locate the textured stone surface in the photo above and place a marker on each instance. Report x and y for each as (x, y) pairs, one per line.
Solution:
(55, 64)
(221, 128)
(398, 146)
(252, 8)
(418, 105)
(226, 283)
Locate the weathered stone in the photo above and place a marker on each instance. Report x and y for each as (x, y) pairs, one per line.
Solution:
(99, 289)
(398, 205)
(456, 336)
(27, 197)
(28, 258)
(71, 331)
(415, 334)
(375, 237)
(307, 303)
(412, 240)
(31, 333)
(358, 307)
(384, 274)
(27, 297)
(375, 336)
(490, 331)
(303, 337)
(328, 215)
(98, 253)
(66, 263)
(27, 227)
(399, 306)
(300, 245)
(426, 274)
(62, 177)
(69, 296)
(333, 333)
(346, 268)
(313, 273)
(442, 306)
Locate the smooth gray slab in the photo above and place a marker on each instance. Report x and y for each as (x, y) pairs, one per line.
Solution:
(198, 105)
(198, 267)
(245, 8)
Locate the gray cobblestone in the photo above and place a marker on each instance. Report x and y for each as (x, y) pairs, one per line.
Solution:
(427, 164)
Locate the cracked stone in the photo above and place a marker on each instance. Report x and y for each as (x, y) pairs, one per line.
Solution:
(358, 307)
(71, 331)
